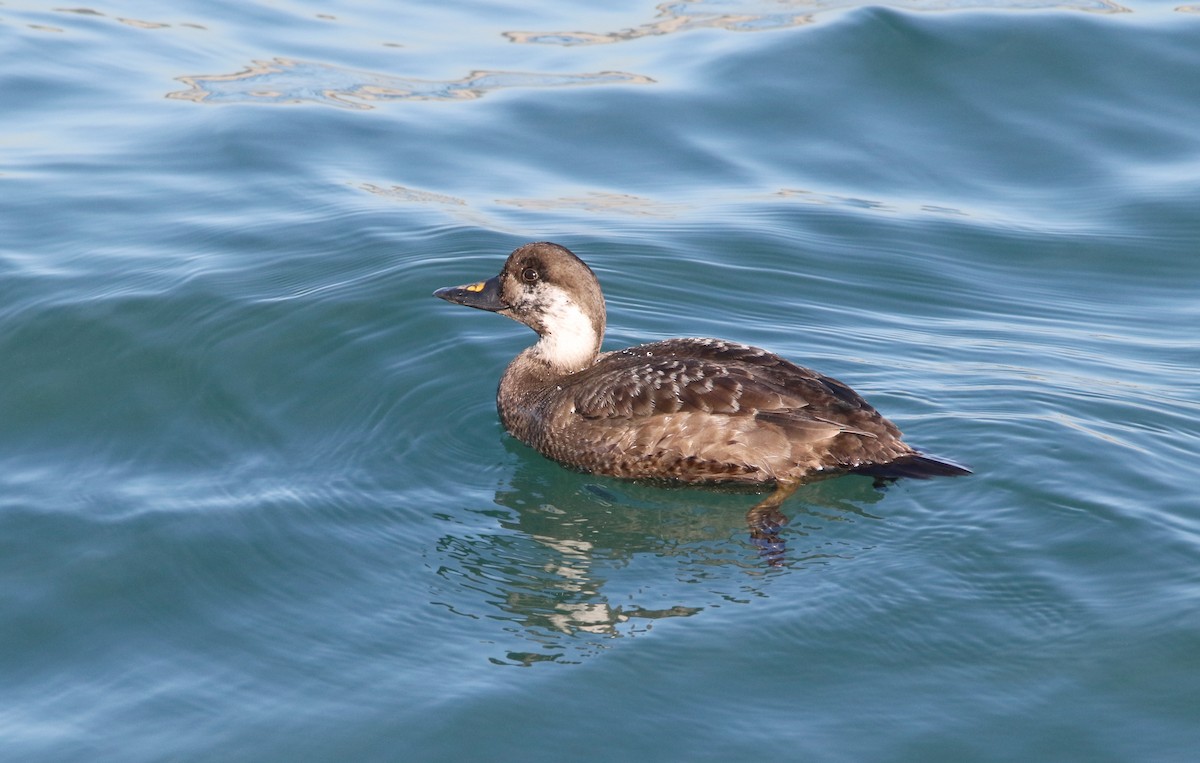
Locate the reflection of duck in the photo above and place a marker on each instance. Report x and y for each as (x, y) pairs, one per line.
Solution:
(687, 410)
(562, 565)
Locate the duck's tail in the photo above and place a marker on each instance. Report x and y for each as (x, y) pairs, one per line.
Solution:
(915, 465)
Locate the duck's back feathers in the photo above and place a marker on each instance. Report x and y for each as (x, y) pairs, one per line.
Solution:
(721, 378)
(709, 410)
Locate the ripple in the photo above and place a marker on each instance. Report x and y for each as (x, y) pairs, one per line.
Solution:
(135, 23)
(287, 81)
(763, 15)
(601, 203)
(413, 195)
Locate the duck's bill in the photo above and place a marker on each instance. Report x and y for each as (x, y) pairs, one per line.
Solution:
(484, 295)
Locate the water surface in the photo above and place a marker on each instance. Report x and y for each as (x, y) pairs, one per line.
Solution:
(255, 502)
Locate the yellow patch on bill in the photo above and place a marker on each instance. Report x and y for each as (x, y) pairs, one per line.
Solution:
(474, 287)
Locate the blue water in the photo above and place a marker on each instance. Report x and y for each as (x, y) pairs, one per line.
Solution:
(255, 502)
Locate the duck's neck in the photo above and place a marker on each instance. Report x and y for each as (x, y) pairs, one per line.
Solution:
(570, 338)
(528, 389)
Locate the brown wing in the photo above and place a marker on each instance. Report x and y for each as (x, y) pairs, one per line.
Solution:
(722, 378)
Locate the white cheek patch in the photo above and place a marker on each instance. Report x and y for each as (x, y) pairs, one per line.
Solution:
(570, 341)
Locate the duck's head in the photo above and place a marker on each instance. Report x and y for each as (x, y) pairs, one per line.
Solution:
(551, 291)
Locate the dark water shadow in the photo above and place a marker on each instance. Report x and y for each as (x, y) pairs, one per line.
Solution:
(568, 562)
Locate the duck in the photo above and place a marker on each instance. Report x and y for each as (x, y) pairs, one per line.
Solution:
(690, 410)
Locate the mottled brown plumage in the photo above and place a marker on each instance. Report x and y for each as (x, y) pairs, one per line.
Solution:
(689, 410)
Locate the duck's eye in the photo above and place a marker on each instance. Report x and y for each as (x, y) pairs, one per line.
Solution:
(529, 275)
